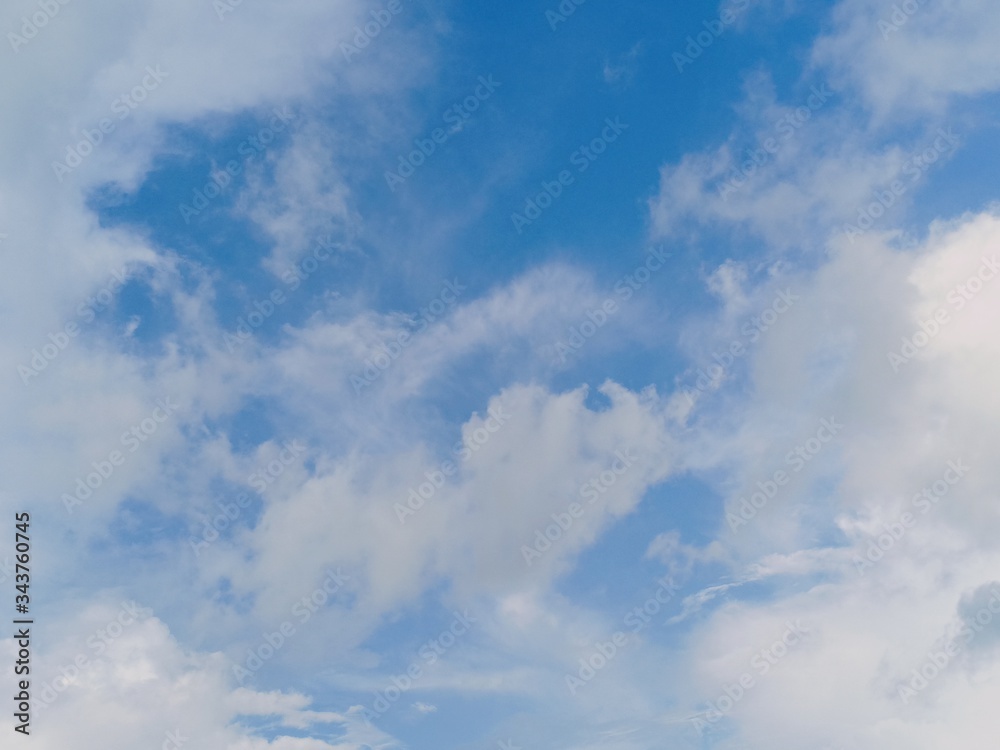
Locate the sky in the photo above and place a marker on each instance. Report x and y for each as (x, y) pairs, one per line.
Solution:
(419, 374)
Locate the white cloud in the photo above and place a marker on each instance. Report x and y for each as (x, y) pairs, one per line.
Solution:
(912, 57)
(874, 615)
(336, 507)
(157, 691)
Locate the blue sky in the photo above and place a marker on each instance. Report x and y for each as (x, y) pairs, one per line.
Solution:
(512, 380)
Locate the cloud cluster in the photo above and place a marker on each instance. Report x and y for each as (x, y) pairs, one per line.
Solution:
(852, 436)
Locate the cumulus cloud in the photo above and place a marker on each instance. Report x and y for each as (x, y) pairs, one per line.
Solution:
(409, 460)
(906, 510)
